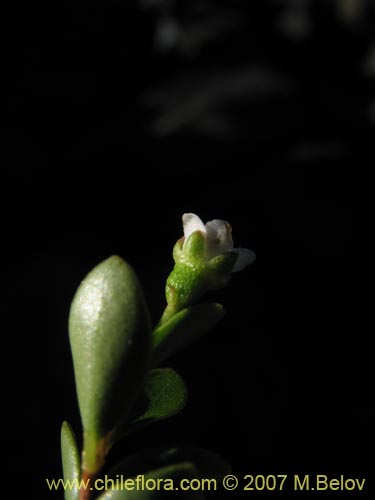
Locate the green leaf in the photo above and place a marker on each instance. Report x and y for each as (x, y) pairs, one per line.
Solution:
(110, 336)
(70, 460)
(165, 394)
(208, 463)
(183, 328)
(169, 478)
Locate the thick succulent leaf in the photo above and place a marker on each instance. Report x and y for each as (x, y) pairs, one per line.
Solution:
(183, 328)
(165, 394)
(70, 461)
(208, 463)
(110, 336)
(169, 476)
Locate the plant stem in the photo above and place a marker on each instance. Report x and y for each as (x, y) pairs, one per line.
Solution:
(85, 490)
(93, 459)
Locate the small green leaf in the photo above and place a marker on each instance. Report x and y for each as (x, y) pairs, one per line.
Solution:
(168, 477)
(70, 460)
(183, 328)
(110, 336)
(165, 394)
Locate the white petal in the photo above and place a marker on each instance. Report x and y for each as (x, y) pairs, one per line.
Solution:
(219, 237)
(192, 223)
(245, 258)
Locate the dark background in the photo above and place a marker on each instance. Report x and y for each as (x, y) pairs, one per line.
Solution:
(118, 118)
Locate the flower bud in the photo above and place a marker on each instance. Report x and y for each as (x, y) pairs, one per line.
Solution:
(204, 260)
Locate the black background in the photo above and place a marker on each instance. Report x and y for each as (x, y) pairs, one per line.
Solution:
(258, 114)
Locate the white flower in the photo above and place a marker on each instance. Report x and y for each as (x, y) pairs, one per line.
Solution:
(218, 236)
